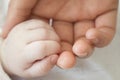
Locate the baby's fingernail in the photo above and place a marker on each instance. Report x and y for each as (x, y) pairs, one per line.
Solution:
(54, 59)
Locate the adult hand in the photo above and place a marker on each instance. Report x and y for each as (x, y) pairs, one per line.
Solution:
(81, 24)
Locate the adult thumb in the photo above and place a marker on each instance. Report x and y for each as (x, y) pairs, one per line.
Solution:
(18, 11)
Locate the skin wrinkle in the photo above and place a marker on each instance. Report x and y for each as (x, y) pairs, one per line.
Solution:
(62, 6)
(73, 12)
(107, 12)
(29, 53)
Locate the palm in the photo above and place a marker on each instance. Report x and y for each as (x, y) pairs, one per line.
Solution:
(73, 10)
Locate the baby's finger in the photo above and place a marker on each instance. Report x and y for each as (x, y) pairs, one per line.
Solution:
(19, 10)
(65, 32)
(39, 50)
(105, 29)
(35, 30)
(40, 68)
(41, 34)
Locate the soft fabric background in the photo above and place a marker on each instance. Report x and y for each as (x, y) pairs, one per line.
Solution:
(108, 57)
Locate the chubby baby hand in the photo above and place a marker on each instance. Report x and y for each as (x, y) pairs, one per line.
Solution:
(30, 50)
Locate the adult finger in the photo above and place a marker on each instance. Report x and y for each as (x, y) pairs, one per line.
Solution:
(35, 30)
(65, 32)
(40, 49)
(105, 26)
(82, 46)
(19, 10)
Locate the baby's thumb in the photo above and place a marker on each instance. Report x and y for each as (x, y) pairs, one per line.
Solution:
(40, 68)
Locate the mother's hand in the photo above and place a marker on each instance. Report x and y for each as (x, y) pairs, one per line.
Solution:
(81, 24)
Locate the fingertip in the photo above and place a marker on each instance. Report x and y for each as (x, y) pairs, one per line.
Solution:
(82, 48)
(91, 34)
(98, 38)
(66, 60)
(41, 67)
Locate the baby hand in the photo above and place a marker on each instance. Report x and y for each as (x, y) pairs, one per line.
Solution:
(30, 50)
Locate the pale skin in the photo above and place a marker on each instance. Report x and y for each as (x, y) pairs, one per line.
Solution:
(30, 49)
(81, 25)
